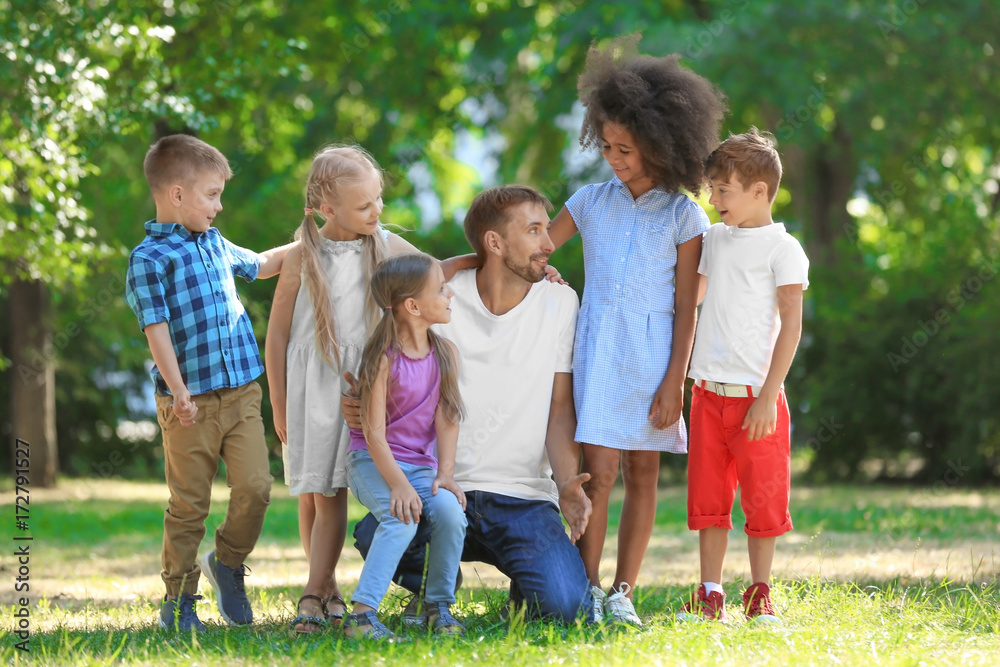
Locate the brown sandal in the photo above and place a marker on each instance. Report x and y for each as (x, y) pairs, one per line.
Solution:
(331, 618)
(313, 623)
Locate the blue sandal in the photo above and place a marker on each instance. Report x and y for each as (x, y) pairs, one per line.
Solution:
(439, 618)
(313, 623)
(367, 626)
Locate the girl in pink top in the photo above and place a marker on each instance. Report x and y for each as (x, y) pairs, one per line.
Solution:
(410, 408)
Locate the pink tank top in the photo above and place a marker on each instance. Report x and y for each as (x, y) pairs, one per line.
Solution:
(414, 389)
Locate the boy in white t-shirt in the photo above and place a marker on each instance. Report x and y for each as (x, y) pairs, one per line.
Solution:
(753, 274)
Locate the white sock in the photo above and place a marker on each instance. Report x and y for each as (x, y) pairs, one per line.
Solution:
(711, 587)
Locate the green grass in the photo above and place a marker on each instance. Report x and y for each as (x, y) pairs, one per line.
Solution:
(878, 575)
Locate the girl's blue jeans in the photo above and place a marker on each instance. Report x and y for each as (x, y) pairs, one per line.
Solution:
(442, 511)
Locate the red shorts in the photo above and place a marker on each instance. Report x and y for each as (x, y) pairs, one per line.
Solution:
(721, 459)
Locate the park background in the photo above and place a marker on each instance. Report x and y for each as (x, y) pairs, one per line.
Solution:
(884, 113)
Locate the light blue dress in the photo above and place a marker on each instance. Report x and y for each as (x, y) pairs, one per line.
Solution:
(624, 332)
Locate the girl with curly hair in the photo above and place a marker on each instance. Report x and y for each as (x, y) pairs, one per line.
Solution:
(655, 123)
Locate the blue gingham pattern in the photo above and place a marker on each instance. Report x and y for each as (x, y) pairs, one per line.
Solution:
(625, 329)
(187, 281)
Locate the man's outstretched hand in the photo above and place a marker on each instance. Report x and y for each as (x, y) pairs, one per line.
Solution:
(575, 505)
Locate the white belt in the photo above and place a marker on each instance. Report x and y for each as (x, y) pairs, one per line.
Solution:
(729, 390)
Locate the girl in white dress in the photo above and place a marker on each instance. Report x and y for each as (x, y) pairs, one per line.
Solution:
(317, 331)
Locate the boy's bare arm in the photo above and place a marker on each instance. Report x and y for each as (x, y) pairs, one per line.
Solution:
(162, 348)
(272, 259)
(762, 417)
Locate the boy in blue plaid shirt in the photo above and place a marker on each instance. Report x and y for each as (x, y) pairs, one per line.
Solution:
(181, 287)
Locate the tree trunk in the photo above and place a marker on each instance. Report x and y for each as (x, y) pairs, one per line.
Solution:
(822, 178)
(32, 380)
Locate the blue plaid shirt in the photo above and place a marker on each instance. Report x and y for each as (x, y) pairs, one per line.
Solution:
(186, 280)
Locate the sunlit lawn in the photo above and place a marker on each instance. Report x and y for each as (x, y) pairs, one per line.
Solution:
(871, 575)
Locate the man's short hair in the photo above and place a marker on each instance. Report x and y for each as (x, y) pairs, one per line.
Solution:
(490, 211)
(752, 156)
(179, 158)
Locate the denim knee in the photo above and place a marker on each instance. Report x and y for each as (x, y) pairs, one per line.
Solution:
(448, 515)
(563, 604)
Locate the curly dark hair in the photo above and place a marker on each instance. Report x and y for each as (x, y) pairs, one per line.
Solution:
(673, 114)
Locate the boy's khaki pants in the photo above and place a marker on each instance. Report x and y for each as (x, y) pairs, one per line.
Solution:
(228, 426)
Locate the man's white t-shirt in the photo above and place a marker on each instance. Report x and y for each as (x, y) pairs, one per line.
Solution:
(738, 324)
(507, 367)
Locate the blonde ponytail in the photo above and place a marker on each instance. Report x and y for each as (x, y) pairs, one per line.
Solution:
(319, 290)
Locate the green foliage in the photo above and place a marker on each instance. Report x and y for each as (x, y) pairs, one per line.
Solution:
(881, 110)
(891, 177)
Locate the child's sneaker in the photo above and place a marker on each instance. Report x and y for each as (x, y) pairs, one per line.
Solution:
(599, 599)
(704, 607)
(438, 616)
(619, 608)
(230, 593)
(757, 604)
(180, 615)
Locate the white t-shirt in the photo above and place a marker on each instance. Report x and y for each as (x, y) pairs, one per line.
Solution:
(738, 324)
(508, 365)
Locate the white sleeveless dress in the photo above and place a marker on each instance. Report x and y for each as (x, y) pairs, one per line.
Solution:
(315, 455)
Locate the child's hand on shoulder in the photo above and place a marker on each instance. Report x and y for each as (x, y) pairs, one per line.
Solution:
(405, 504)
(448, 482)
(553, 276)
(762, 418)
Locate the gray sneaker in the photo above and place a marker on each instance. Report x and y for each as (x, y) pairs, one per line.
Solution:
(600, 597)
(619, 608)
(230, 593)
(180, 615)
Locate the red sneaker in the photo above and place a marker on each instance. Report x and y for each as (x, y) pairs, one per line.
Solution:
(757, 604)
(703, 607)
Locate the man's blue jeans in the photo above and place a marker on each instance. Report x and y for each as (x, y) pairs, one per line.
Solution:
(524, 539)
